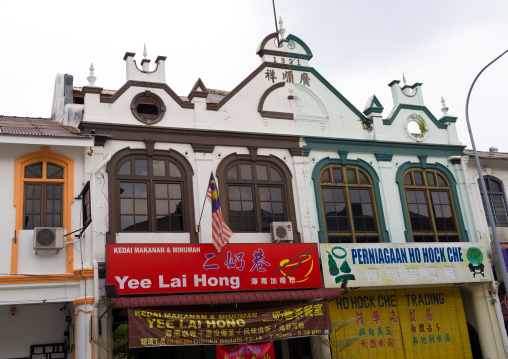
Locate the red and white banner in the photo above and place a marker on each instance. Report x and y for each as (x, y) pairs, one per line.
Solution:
(184, 268)
(251, 351)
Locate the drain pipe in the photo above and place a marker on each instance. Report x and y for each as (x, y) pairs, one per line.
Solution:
(94, 260)
(102, 164)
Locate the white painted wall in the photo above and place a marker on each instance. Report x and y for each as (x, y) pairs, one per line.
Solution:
(201, 164)
(32, 324)
(35, 322)
(26, 254)
(46, 261)
(495, 168)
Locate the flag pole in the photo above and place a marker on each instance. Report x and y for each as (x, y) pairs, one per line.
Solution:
(201, 216)
(203, 208)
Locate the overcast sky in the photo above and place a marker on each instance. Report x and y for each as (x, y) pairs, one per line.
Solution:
(359, 47)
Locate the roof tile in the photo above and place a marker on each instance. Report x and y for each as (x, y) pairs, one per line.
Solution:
(485, 154)
(39, 127)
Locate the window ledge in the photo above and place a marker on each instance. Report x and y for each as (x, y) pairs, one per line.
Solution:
(251, 238)
(155, 238)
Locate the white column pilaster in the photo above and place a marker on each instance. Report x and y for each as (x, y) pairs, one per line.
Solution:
(483, 318)
(302, 203)
(204, 166)
(84, 331)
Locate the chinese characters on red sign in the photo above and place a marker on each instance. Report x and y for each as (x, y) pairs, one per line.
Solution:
(169, 268)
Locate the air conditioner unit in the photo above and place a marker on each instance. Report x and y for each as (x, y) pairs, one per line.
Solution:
(281, 232)
(49, 238)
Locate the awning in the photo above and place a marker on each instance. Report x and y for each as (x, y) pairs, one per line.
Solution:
(224, 298)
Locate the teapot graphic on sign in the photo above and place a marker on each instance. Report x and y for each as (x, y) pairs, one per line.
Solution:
(475, 257)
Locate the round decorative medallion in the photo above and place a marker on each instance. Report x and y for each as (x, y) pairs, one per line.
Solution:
(416, 127)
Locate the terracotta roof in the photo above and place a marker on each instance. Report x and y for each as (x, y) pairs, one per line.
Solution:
(212, 101)
(39, 127)
(224, 298)
(486, 154)
(218, 92)
(104, 91)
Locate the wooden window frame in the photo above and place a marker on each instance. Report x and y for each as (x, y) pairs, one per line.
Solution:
(286, 184)
(255, 184)
(352, 233)
(189, 225)
(427, 189)
(67, 194)
(150, 180)
(45, 156)
(43, 210)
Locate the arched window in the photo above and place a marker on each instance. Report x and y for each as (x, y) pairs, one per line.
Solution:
(497, 201)
(43, 195)
(43, 191)
(150, 193)
(430, 206)
(255, 193)
(348, 205)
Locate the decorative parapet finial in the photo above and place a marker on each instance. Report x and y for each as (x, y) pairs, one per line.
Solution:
(444, 108)
(91, 79)
(145, 63)
(404, 79)
(282, 31)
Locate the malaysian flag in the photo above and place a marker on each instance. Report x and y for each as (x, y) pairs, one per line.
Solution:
(220, 231)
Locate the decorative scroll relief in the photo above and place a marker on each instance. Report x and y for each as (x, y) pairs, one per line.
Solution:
(278, 101)
(309, 109)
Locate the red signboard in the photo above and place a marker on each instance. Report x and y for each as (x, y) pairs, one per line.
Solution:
(184, 268)
(251, 351)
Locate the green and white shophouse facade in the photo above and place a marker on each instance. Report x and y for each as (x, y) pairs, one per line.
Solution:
(392, 179)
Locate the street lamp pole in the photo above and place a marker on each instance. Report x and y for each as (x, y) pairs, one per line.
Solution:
(490, 217)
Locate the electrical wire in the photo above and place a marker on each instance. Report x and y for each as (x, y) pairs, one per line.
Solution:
(53, 301)
(40, 275)
(106, 219)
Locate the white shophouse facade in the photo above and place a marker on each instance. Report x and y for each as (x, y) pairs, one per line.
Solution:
(42, 291)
